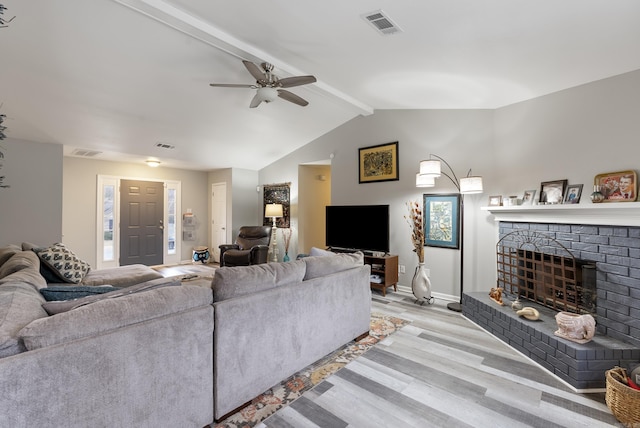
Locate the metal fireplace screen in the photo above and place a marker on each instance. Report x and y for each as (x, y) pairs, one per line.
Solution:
(536, 267)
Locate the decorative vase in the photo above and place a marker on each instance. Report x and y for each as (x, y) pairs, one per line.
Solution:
(420, 285)
(286, 257)
(596, 196)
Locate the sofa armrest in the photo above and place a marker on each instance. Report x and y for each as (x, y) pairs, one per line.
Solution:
(224, 248)
(259, 254)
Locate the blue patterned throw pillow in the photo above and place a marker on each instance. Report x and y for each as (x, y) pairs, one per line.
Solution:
(64, 263)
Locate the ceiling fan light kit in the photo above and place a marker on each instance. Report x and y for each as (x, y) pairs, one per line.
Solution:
(268, 85)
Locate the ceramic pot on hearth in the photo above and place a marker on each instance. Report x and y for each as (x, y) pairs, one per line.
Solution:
(421, 285)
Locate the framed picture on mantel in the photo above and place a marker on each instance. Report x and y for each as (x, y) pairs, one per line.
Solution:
(618, 186)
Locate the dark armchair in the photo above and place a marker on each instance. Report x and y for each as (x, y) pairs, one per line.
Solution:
(251, 247)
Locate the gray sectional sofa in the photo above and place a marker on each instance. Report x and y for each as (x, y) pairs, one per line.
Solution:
(152, 357)
(142, 359)
(274, 319)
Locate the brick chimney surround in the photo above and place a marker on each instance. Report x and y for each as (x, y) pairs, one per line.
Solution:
(607, 235)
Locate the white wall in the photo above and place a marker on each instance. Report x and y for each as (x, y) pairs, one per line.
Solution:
(573, 134)
(80, 196)
(31, 208)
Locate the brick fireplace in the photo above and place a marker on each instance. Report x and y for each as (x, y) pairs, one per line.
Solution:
(607, 238)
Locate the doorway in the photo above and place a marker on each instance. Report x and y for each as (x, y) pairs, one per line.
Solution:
(141, 222)
(218, 219)
(314, 194)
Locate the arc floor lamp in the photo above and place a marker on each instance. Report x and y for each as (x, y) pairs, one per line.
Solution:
(431, 169)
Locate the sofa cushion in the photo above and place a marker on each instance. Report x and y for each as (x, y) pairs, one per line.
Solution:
(7, 252)
(323, 265)
(20, 304)
(123, 276)
(68, 292)
(63, 262)
(22, 267)
(234, 281)
(110, 314)
(53, 308)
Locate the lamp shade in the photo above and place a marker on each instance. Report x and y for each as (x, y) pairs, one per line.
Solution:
(273, 210)
(153, 163)
(470, 185)
(267, 94)
(425, 180)
(430, 168)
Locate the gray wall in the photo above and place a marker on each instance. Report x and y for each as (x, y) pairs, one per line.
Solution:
(574, 134)
(32, 205)
(79, 207)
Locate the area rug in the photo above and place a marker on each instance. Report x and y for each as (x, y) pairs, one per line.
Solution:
(292, 388)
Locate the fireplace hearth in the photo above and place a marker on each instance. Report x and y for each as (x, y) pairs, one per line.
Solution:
(595, 269)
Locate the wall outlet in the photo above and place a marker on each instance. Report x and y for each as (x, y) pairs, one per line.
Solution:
(401, 269)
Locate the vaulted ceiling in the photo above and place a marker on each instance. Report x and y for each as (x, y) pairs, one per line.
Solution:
(121, 77)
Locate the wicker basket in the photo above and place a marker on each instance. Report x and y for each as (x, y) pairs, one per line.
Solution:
(622, 400)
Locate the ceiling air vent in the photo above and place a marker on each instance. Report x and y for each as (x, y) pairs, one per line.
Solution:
(165, 146)
(85, 153)
(381, 22)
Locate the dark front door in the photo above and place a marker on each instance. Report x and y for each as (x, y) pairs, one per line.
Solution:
(141, 227)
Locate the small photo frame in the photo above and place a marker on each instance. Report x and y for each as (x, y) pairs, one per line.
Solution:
(572, 195)
(528, 197)
(552, 192)
(495, 201)
(618, 186)
(378, 163)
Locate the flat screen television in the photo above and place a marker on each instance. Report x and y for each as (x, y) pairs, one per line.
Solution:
(358, 227)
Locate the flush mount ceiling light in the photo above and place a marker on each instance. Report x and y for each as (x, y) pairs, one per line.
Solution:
(153, 163)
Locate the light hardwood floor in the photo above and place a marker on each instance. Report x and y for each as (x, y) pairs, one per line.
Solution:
(441, 371)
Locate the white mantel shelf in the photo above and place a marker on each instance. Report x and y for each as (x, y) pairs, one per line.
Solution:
(606, 213)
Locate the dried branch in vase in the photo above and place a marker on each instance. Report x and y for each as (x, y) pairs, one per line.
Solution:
(416, 223)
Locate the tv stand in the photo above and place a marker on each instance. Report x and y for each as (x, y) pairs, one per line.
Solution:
(387, 268)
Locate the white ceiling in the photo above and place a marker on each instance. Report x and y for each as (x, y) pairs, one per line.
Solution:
(121, 76)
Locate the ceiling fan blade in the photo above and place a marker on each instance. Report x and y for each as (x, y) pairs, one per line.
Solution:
(232, 85)
(255, 102)
(291, 97)
(289, 82)
(255, 71)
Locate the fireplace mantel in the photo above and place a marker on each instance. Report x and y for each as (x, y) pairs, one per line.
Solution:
(611, 213)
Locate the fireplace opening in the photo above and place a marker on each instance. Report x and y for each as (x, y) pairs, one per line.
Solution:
(534, 266)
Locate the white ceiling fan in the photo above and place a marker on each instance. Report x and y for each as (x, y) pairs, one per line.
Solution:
(269, 86)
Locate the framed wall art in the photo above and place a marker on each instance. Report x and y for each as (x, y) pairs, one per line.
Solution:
(552, 192)
(572, 195)
(442, 221)
(277, 194)
(618, 186)
(378, 163)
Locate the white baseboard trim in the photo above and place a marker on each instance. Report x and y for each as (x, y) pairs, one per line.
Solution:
(439, 296)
